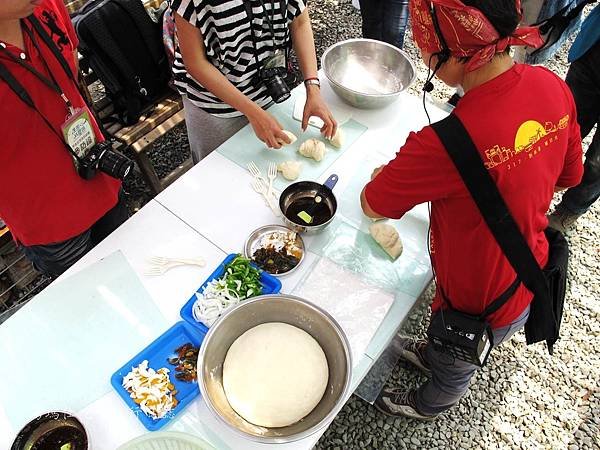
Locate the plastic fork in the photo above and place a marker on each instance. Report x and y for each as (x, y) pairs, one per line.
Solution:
(255, 172)
(164, 261)
(272, 175)
(259, 187)
(158, 265)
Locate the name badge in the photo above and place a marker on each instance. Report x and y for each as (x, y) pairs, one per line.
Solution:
(78, 132)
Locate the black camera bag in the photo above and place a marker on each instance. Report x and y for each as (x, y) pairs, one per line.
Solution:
(124, 48)
(548, 285)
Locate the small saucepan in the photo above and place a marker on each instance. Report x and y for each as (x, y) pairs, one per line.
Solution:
(300, 196)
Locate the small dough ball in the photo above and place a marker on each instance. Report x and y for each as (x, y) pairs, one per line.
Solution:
(313, 148)
(338, 139)
(290, 169)
(289, 134)
(275, 374)
(387, 237)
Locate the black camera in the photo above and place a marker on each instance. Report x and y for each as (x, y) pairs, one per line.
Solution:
(274, 80)
(102, 157)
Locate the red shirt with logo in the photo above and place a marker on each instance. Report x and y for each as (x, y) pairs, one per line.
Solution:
(524, 125)
(42, 199)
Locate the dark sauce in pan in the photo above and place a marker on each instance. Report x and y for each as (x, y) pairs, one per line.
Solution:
(319, 211)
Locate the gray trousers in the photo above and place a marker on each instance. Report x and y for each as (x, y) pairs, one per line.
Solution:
(450, 377)
(205, 131)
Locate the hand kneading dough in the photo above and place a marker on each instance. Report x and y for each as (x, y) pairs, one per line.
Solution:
(338, 139)
(289, 134)
(274, 374)
(290, 169)
(387, 236)
(313, 148)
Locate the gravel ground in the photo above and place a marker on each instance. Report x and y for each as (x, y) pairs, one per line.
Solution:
(523, 399)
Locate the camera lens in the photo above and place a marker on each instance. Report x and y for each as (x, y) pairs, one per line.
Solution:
(114, 164)
(277, 88)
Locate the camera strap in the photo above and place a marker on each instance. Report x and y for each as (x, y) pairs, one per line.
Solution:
(269, 17)
(51, 83)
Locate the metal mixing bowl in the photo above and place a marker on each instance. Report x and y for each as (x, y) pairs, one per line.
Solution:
(275, 308)
(367, 73)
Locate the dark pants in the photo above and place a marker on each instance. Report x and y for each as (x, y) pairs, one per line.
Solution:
(584, 80)
(53, 259)
(450, 377)
(384, 20)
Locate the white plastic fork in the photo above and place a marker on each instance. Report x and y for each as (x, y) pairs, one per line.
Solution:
(158, 265)
(262, 190)
(154, 271)
(255, 172)
(272, 175)
(164, 261)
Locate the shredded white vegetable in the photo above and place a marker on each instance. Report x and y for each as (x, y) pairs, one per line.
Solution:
(214, 300)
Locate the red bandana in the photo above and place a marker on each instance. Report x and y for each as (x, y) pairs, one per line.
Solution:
(466, 30)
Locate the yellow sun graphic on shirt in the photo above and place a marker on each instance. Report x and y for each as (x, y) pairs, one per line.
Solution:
(528, 134)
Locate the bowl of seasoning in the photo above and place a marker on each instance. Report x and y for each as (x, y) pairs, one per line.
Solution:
(51, 431)
(276, 249)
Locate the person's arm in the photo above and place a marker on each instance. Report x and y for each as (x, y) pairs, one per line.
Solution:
(304, 46)
(422, 171)
(364, 203)
(193, 51)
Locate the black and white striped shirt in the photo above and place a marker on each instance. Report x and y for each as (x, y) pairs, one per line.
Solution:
(225, 27)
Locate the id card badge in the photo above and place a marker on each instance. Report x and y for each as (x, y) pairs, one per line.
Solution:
(78, 132)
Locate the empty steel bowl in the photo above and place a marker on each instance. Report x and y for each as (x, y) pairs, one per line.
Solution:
(367, 73)
(275, 308)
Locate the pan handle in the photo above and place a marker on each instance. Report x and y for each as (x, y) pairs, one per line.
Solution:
(331, 181)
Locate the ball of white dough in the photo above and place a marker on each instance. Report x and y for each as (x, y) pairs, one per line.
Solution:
(387, 237)
(274, 374)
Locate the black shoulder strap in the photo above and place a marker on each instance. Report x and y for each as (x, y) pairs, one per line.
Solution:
(496, 214)
(50, 44)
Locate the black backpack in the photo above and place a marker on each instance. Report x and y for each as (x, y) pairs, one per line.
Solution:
(124, 48)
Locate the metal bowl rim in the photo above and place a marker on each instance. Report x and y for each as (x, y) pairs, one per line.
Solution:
(293, 437)
(341, 86)
(277, 226)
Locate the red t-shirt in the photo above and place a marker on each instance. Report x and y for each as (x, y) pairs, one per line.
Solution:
(524, 124)
(42, 199)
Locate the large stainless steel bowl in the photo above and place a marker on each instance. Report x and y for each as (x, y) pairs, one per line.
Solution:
(275, 308)
(367, 73)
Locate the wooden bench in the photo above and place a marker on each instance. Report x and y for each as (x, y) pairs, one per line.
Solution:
(140, 137)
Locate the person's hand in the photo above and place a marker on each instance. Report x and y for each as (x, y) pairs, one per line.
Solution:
(315, 106)
(267, 129)
(376, 171)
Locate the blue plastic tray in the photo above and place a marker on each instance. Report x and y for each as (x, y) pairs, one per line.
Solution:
(271, 285)
(156, 354)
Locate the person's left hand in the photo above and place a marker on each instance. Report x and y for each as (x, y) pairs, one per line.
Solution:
(315, 106)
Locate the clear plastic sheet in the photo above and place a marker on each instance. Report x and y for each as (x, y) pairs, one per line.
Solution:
(357, 305)
(357, 252)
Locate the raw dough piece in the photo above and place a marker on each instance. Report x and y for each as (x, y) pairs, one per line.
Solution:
(313, 148)
(274, 374)
(387, 236)
(289, 134)
(290, 169)
(338, 139)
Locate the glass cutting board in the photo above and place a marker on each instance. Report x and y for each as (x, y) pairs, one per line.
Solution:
(244, 146)
(59, 351)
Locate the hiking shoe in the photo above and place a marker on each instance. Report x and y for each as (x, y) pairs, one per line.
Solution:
(561, 219)
(398, 402)
(413, 351)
